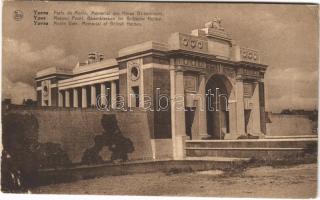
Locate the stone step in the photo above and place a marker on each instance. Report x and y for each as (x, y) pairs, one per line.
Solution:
(260, 143)
(245, 149)
(289, 136)
(283, 148)
(258, 153)
(207, 158)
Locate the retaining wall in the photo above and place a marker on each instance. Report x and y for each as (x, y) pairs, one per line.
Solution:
(75, 129)
(289, 125)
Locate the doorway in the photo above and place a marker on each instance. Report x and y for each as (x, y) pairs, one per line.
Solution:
(218, 90)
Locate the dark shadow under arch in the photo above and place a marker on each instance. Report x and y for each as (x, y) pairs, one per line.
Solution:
(218, 89)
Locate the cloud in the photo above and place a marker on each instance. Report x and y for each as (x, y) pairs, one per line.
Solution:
(21, 61)
(23, 51)
(291, 88)
(292, 102)
(17, 91)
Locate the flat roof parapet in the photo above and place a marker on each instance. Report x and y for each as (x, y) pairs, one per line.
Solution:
(95, 66)
(142, 47)
(53, 70)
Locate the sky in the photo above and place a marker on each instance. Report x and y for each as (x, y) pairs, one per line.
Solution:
(286, 35)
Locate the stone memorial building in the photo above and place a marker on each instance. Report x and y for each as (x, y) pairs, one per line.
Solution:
(196, 86)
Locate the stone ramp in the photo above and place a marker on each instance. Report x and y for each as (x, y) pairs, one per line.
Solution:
(262, 149)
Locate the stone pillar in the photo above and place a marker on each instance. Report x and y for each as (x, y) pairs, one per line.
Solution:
(232, 112)
(113, 94)
(240, 107)
(202, 109)
(262, 95)
(255, 113)
(49, 95)
(84, 97)
(173, 113)
(103, 97)
(60, 98)
(93, 95)
(67, 98)
(75, 98)
(180, 126)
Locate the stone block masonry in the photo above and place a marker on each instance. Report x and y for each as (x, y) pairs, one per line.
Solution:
(290, 125)
(75, 130)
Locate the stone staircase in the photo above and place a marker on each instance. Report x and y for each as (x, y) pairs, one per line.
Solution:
(275, 148)
(290, 136)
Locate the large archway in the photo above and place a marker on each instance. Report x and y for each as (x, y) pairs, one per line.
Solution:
(218, 89)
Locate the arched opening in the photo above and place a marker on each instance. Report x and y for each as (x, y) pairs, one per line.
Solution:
(218, 89)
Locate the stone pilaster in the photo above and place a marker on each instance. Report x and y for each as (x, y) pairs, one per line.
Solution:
(240, 107)
(180, 127)
(255, 113)
(202, 109)
(263, 106)
(232, 111)
(172, 104)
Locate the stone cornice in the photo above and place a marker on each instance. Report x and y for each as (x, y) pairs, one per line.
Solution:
(105, 64)
(142, 47)
(53, 71)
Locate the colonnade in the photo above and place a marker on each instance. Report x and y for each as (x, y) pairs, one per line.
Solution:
(89, 96)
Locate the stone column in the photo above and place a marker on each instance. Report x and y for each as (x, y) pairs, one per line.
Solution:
(60, 99)
(84, 97)
(67, 98)
(255, 113)
(180, 126)
(75, 98)
(103, 96)
(203, 133)
(113, 94)
(240, 107)
(93, 95)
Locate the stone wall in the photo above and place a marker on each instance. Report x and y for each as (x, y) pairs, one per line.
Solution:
(75, 130)
(159, 121)
(162, 148)
(162, 118)
(289, 125)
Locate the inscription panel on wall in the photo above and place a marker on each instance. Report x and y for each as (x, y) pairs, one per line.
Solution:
(190, 62)
(249, 55)
(188, 42)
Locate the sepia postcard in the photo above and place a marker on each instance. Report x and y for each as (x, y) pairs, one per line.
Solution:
(192, 99)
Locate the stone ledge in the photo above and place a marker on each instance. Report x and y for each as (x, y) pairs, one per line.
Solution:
(142, 47)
